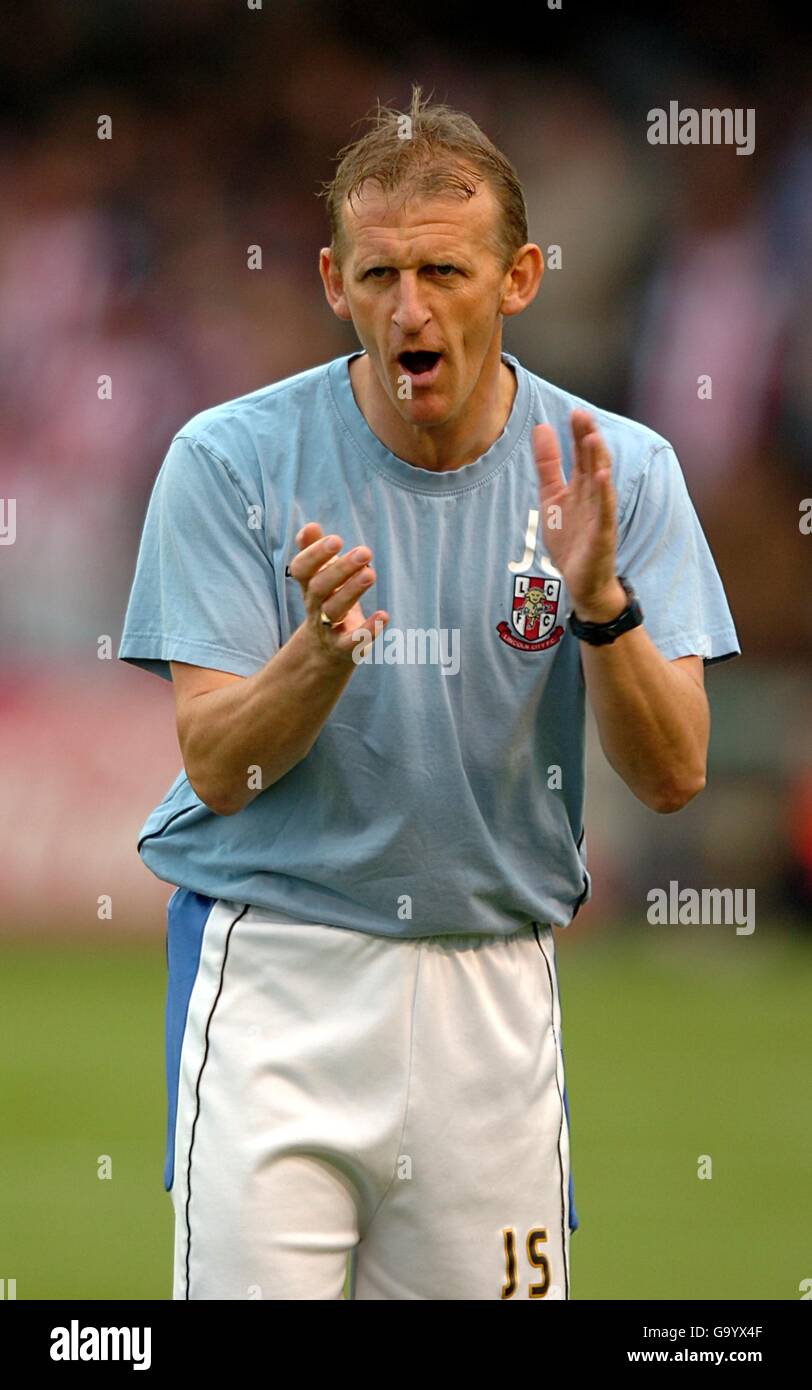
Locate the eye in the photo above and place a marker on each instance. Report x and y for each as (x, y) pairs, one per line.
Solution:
(378, 272)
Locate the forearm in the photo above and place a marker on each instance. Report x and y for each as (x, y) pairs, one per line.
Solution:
(269, 721)
(652, 717)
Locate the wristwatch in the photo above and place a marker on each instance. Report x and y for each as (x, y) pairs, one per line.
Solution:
(600, 634)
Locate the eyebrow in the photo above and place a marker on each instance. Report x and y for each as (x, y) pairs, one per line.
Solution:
(449, 258)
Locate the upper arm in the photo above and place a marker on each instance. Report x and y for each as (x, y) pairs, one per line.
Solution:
(663, 553)
(204, 592)
(190, 681)
(694, 666)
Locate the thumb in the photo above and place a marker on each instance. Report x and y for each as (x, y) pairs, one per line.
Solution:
(365, 634)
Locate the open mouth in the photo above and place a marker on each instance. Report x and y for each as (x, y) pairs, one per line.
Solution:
(421, 366)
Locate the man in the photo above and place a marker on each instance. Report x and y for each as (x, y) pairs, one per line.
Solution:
(371, 852)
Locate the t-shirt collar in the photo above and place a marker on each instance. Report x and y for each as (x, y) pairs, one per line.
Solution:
(409, 475)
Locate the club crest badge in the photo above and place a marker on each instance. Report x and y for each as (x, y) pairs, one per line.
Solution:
(533, 620)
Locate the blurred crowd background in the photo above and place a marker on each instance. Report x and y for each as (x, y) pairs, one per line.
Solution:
(128, 257)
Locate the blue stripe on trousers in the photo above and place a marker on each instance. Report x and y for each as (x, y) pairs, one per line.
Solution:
(186, 917)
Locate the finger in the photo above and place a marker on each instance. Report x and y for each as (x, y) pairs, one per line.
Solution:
(605, 497)
(594, 452)
(338, 605)
(331, 575)
(310, 532)
(598, 453)
(582, 426)
(547, 454)
(311, 559)
(365, 634)
(606, 503)
(602, 490)
(582, 422)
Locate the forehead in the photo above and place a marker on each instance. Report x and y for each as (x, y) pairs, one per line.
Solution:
(375, 223)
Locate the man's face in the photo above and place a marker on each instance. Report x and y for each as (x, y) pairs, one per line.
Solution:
(423, 277)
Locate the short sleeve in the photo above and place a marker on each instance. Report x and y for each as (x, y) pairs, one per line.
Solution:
(663, 553)
(204, 589)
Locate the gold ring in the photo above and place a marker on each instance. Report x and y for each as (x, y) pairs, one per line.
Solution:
(328, 622)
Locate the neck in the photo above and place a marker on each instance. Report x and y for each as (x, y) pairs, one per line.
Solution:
(446, 446)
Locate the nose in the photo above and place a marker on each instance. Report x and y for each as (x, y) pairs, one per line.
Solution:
(410, 315)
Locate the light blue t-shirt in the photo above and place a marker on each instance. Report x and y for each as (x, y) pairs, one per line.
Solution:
(445, 792)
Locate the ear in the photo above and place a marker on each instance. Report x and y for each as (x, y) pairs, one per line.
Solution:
(523, 280)
(333, 282)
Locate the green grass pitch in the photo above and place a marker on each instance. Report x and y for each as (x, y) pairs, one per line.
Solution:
(679, 1042)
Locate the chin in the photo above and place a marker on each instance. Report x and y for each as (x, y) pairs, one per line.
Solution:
(423, 412)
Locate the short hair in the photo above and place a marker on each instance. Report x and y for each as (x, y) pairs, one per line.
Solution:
(445, 152)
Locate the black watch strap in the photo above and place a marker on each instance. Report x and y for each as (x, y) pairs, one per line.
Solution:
(601, 634)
